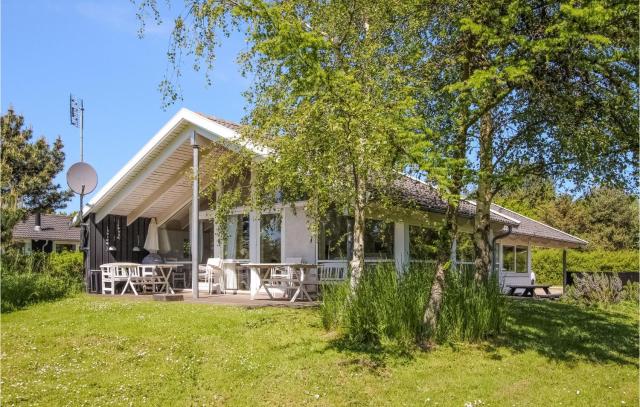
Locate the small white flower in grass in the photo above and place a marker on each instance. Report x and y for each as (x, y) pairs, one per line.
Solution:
(578, 392)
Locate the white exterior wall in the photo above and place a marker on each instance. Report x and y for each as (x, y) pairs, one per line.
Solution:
(297, 241)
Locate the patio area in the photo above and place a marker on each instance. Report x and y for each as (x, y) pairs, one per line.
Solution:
(239, 299)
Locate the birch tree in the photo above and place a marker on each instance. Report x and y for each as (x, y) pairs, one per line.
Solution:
(330, 98)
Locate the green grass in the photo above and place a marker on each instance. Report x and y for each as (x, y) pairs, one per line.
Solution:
(94, 351)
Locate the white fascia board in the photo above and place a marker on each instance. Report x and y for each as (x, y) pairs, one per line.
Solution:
(155, 140)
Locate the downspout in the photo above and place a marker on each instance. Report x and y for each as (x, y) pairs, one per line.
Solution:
(493, 245)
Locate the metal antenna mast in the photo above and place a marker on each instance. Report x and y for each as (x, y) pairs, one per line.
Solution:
(76, 113)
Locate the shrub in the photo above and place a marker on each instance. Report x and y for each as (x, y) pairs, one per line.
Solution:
(596, 288)
(471, 310)
(547, 263)
(36, 277)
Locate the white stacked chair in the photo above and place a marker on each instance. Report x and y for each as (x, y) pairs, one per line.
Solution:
(215, 275)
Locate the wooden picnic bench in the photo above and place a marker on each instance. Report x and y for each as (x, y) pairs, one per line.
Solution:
(529, 290)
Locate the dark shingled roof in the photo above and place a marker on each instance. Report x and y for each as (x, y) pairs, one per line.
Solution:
(427, 197)
(54, 227)
(226, 123)
(533, 228)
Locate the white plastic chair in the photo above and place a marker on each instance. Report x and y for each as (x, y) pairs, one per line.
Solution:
(214, 274)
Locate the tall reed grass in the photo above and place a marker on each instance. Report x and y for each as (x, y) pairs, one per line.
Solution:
(389, 306)
(471, 310)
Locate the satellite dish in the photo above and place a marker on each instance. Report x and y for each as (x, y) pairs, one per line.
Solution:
(82, 175)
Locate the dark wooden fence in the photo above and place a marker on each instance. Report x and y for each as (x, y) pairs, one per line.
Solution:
(625, 276)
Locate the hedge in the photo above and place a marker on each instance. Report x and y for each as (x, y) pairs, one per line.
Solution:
(547, 263)
(28, 279)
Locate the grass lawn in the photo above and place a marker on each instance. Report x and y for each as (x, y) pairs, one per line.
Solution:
(94, 351)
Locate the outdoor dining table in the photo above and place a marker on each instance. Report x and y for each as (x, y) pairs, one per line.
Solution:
(165, 273)
(529, 290)
(265, 272)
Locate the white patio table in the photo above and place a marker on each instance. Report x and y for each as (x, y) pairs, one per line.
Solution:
(165, 271)
(295, 274)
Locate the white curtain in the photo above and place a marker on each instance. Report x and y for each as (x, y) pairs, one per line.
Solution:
(232, 231)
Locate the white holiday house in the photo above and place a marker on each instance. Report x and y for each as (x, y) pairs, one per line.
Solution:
(157, 184)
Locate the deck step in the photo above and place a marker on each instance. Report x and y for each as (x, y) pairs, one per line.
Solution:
(168, 297)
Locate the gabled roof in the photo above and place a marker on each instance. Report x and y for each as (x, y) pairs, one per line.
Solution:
(426, 197)
(170, 146)
(167, 141)
(52, 227)
(532, 228)
(226, 123)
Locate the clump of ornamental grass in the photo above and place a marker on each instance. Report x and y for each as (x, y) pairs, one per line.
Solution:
(472, 310)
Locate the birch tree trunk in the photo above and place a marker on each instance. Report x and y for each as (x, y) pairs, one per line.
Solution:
(481, 234)
(446, 236)
(357, 259)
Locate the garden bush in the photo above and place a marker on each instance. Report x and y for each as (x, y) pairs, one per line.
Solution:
(31, 278)
(547, 263)
(596, 288)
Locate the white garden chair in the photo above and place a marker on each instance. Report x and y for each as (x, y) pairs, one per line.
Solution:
(215, 275)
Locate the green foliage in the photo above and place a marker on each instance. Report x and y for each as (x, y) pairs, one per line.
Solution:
(547, 263)
(596, 288)
(27, 172)
(631, 292)
(472, 310)
(384, 307)
(36, 277)
(387, 307)
(334, 304)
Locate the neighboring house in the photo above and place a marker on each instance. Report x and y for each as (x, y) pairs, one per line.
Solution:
(156, 183)
(53, 234)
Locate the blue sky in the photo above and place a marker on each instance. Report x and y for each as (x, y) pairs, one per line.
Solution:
(91, 48)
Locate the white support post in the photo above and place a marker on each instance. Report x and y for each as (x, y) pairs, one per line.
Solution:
(254, 246)
(254, 251)
(195, 235)
(401, 245)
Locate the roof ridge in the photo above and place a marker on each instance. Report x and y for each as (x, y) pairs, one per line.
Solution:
(473, 202)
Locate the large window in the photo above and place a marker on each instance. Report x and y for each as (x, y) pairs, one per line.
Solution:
(270, 238)
(515, 259)
(378, 239)
(423, 243)
(465, 252)
(237, 242)
(334, 237)
(335, 240)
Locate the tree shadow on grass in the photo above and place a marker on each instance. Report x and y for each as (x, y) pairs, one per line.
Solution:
(569, 333)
